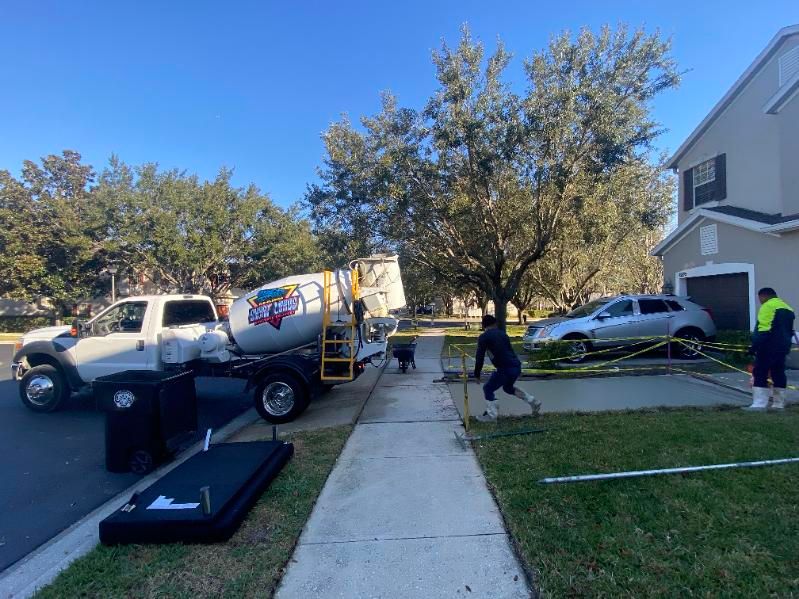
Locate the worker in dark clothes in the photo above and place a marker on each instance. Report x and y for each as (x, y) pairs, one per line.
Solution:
(771, 344)
(496, 343)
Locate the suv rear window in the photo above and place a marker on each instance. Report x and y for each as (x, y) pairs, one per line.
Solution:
(652, 306)
(675, 306)
(182, 312)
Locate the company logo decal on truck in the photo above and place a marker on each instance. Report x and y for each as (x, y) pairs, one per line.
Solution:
(273, 305)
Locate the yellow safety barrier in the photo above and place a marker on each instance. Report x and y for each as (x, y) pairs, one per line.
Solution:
(602, 367)
(701, 353)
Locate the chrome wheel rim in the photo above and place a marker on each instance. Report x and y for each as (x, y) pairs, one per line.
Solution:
(577, 351)
(278, 398)
(40, 390)
(691, 346)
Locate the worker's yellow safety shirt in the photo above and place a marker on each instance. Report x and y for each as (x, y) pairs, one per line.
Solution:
(765, 316)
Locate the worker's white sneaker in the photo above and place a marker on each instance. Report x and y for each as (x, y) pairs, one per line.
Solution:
(778, 399)
(529, 398)
(760, 397)
(490, 414)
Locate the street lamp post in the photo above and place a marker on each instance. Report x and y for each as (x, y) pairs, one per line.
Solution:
(112, 270)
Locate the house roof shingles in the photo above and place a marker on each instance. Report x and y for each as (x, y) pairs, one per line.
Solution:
(754, 215)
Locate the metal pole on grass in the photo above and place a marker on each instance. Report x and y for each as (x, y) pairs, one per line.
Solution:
(466, 416)
(638, 473)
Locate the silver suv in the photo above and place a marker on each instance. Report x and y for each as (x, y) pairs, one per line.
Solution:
(613, 321)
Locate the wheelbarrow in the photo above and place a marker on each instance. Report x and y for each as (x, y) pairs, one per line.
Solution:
(404, 352)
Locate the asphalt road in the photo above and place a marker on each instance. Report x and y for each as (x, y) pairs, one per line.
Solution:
(52, 466)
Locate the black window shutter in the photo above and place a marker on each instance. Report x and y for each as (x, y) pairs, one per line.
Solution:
(688, 189)
(721, 177)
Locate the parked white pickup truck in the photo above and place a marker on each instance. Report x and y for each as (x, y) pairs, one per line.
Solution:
(290, 339)
(52, 362)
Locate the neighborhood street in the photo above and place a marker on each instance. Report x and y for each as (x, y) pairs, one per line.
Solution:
(53, 464)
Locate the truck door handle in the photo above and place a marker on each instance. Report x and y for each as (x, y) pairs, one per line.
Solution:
(140, 345)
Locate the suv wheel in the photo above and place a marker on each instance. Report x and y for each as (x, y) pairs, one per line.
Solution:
(691, 345)
(577, 349)
(44, 388)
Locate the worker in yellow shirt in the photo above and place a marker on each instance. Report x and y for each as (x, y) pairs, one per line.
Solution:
(771, 343)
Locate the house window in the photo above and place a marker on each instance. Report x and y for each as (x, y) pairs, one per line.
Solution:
(704, 181)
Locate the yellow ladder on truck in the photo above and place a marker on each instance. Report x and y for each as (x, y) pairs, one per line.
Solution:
(330, 347)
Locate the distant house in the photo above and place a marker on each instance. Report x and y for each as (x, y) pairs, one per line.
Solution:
(738, 220)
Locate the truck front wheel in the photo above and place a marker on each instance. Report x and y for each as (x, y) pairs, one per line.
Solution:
(280, 398)
(44, 388)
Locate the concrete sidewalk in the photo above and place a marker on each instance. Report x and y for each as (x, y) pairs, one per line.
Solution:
(406, 511)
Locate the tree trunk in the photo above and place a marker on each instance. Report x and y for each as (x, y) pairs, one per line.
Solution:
(501, 312)
(519, 310)
(483, 300)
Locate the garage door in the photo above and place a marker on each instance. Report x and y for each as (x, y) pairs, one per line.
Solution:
(726, 295)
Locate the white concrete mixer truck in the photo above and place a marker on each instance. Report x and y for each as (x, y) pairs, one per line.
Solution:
(290, 339)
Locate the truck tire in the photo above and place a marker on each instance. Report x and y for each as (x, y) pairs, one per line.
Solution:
(280, 398)
(44, 388)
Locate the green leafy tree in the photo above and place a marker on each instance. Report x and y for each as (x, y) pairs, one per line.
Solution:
(609, 235)
(53, 234)
(478, 185)
(197, 236)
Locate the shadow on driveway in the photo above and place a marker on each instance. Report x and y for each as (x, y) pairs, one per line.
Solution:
(53, 465)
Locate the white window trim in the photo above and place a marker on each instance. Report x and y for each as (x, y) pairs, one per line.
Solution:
(681, 277)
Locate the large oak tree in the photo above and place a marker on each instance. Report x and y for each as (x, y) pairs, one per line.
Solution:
(478, 183)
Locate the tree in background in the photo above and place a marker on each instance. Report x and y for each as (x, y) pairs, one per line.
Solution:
(611, 234)
(52, 236)
(635, 270)
(195, 236)
(479, 184)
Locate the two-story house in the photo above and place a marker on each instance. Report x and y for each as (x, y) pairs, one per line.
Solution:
(738, 215)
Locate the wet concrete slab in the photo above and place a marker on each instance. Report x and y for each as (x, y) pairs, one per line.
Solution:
(741, 381)
(602, 394)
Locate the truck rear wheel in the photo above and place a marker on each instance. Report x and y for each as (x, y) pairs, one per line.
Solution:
(44, 388)
(280, 398)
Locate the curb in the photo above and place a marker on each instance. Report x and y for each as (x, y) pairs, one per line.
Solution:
(42, 565)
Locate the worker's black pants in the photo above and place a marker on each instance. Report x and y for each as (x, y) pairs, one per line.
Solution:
(774, 363)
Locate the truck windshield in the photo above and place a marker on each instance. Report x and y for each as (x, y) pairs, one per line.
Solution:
(182, 312)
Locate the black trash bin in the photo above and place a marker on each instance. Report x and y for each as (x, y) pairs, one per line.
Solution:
(148, 415)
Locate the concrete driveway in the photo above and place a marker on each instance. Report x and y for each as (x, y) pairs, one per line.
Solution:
(53, 465)
(602, 394)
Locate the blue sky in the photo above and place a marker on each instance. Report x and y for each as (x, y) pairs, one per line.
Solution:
(199, 84)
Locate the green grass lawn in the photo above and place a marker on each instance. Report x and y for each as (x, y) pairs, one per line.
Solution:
(250, 564)
(731, 533)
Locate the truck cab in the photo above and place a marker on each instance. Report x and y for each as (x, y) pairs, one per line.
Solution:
(52, 363)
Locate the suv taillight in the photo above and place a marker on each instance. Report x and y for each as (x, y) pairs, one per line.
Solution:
(709, 312)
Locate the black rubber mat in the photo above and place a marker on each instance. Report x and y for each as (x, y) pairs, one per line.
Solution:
(171, 510)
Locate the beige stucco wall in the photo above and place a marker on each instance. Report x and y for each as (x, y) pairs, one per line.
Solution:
(759, 147)
(788, 119)
(775, 259)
